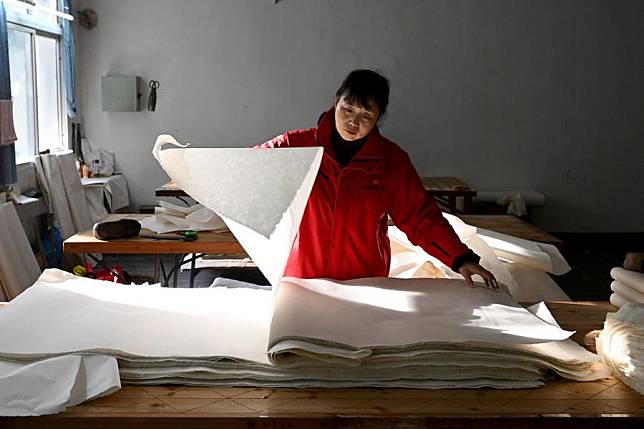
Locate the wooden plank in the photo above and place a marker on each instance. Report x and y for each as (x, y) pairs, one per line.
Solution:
(511, 225)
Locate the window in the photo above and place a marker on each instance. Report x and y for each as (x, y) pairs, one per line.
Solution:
(34, 39)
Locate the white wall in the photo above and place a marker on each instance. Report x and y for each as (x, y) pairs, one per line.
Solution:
(522, 94)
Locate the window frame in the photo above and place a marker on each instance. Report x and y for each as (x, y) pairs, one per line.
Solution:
(24, 22)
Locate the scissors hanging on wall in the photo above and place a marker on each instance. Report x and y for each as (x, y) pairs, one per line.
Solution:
(152, 99)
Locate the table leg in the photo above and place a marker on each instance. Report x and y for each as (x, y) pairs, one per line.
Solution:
(177, 268)
(452, 204)
(157, 267)
(467, 205)
(192, 270)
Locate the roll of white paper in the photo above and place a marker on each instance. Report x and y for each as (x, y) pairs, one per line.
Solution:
(618, 300)
(632, 278)
(627, 292)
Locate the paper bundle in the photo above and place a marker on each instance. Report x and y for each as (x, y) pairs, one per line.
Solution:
(171, 217)
(627, 287)
(621, 344)
(423, 333)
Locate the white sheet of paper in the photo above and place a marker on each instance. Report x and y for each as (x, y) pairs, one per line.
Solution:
(262, 209)
(143, 321)
(541, 256)
(524, 282)
(392, 312)
(51, 385)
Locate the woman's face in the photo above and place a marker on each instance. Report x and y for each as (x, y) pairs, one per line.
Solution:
(353, 121)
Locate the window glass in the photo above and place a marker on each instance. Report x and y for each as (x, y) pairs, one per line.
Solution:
(20, 62)
(47, 86)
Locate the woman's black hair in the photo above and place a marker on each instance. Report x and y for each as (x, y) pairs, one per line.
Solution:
(365, 87)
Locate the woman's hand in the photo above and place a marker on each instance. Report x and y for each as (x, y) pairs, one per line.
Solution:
(468, 269)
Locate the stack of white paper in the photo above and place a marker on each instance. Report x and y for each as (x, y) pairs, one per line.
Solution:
(627, 287)
(171, 217)
(621, 344)
(425, 333)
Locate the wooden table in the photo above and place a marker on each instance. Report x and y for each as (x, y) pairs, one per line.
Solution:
(170, 189)
(208, 242)
(446, 190)
(590, 403)
(511, 225)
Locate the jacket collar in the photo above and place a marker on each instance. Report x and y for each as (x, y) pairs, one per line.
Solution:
(373, 148)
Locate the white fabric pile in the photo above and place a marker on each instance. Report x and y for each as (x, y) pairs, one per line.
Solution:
(627, 287)
(424, 333)
(621, 345)
(171, 217)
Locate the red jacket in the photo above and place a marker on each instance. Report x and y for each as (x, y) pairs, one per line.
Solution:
(343, 233)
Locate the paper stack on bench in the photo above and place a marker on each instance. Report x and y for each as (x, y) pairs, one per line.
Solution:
(423, 333)
(171, 217)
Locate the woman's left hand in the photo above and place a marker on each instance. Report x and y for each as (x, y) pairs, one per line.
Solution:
(468, 269)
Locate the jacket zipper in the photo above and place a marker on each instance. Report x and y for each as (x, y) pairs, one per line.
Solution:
(332, 241)
(440, 248)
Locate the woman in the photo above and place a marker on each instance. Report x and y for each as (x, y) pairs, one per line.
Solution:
(363, 178)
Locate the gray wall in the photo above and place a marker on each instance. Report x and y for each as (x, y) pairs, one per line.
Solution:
(516, 94)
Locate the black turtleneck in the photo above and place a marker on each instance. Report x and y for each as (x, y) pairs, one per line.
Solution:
(345, 150)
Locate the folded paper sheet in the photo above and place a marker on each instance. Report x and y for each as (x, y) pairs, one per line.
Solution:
(51, 385)
(263, 209)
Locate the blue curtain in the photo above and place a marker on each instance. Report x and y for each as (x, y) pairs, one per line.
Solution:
(7, 134)
(69, 55)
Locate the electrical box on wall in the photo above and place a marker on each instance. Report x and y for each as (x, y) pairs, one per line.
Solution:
(121, 93)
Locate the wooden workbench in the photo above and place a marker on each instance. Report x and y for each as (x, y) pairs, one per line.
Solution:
(446, 190)
(591, 403)
(207, 242)
(511, 225)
